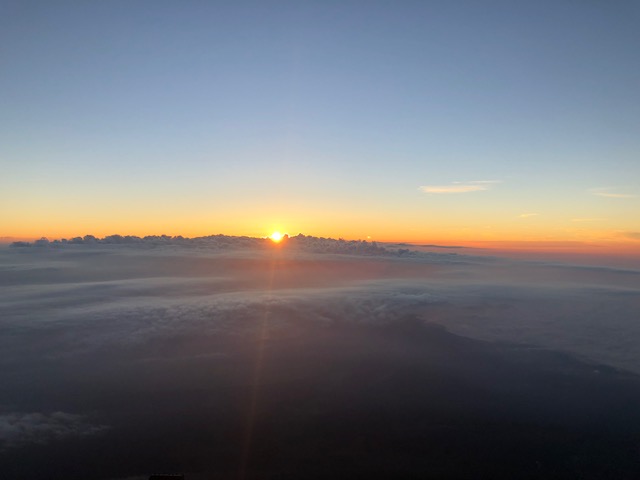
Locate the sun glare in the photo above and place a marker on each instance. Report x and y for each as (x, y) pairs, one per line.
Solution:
(276, 236)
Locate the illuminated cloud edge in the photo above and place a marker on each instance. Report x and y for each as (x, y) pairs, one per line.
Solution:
(300, 242)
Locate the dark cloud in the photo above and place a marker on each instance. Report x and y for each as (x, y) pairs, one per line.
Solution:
(17, 429)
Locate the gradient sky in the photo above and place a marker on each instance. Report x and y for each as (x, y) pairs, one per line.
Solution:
(443, 121)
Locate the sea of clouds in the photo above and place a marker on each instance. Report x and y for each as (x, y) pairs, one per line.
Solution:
(89, 303)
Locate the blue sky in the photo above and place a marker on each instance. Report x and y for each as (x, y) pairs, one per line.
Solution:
(205, 109)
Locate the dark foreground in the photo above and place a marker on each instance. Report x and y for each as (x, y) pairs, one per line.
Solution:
(319, 402)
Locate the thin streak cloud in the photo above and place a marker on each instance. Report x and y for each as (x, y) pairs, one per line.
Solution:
(460, 187)
(527, 215)
(452, 188)
(481, 182)
(632, 235)
(603, 192)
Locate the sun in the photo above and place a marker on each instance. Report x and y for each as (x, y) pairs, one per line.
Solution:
(276, 237)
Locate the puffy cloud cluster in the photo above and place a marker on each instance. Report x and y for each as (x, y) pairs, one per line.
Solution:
(17, 429)
(328, 245)
(218, 241)
(303, 243)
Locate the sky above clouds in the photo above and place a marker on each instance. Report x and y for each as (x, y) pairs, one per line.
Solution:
(406, 121)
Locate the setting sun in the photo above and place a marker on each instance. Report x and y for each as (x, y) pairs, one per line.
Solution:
(276, 236)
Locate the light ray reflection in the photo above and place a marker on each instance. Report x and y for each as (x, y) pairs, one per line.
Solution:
(257, 374)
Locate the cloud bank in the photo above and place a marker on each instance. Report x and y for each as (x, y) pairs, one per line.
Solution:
(110, 294)
(302, 243)
(192, 352)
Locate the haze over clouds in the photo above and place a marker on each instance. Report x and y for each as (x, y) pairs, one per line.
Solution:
(172, 287)
(92, 329)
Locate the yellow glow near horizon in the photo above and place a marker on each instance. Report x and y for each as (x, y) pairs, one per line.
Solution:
(580, 232)
(276, 237)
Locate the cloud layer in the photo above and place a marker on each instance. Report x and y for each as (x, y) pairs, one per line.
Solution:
(105, 295)
(181, 349)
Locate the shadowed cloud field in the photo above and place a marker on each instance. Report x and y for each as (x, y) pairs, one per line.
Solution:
(236, 358)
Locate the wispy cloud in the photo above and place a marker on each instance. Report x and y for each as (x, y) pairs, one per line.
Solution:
(527, 215)
(607, 192)
(615, 195)
(632, 235)
(452, 188)
(460, 187)
(588, 219)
